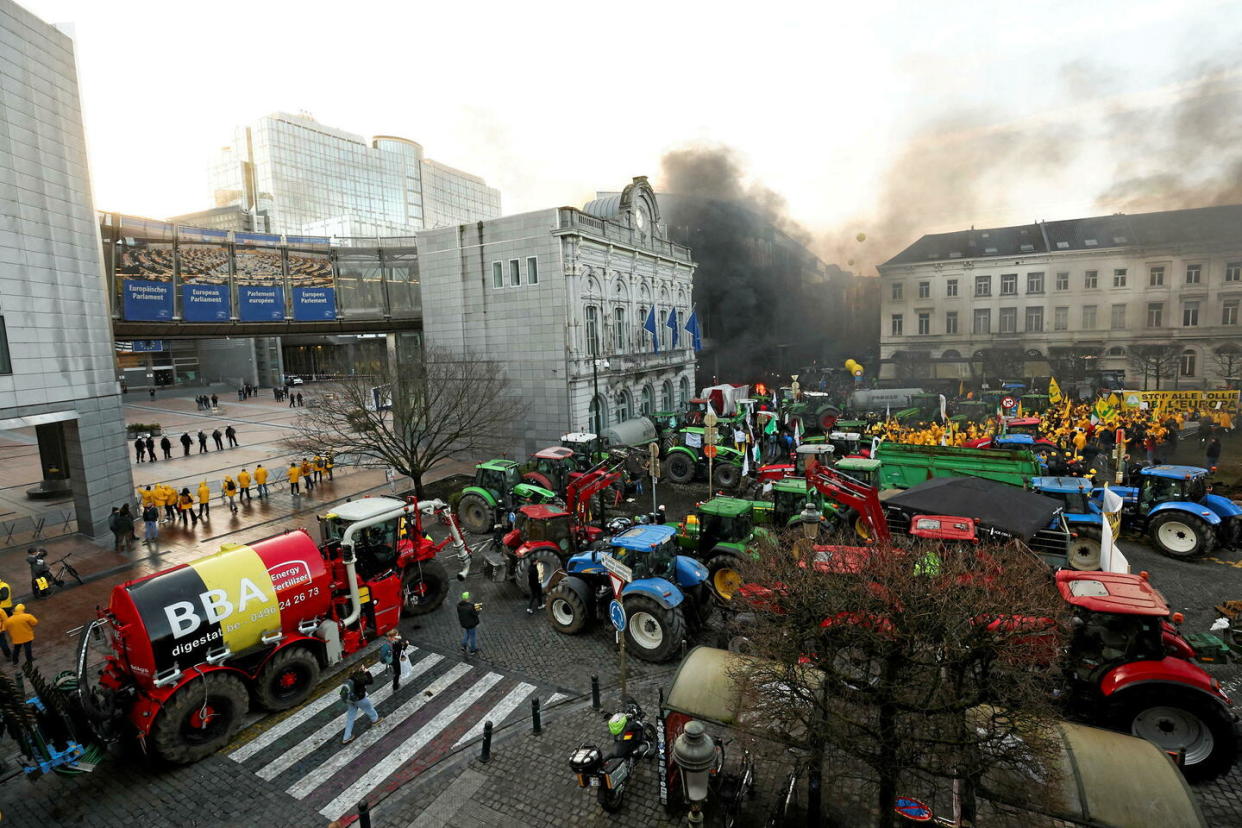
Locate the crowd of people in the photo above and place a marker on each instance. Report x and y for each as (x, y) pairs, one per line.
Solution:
(144, 447)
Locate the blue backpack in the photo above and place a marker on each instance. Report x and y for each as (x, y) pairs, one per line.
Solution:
(386, 652)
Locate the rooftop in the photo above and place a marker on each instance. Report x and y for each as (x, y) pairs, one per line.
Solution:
(1168, 228)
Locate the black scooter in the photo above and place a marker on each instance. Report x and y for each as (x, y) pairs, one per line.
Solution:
(609, 777)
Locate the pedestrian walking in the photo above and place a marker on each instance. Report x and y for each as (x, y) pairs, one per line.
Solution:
(20, 627)
(468, 617)
(276, 394)
(535, 581)
(151, 392)
(241, 394)
(301, 402)
(140, 450)
(329, 461)
(317, 466)
(215, 401)
(151, 523)
(292, 399)
(157, 498)
(219, 439)
(170, 503)
(354, 694)
(243, 485)
(260, 479)
(392, 653)
(308, 476)
(151, 449)
(166, 447)
(186, 442)
(185, 505)
(202, 441)
(231, 433)
(1212, 453)
(146, 496)
(294, 473)
(129, 520)
(229, 491)
(120, 532)
(204, 500)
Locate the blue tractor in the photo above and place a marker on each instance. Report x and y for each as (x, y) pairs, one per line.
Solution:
(666, 594)
(1182, 518)
(1081, 513)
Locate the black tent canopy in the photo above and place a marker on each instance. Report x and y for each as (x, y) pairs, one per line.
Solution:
(1014, 511)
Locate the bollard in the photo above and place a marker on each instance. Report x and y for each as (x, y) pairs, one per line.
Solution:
(486, 754)
(535, 721)
(595, 692)
(364, 815)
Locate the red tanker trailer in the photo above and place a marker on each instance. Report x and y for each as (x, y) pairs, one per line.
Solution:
(186, 649)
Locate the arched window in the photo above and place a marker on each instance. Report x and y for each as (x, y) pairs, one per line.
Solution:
(664, 331)
(1190, 362)
(1116, 351)
(642, 339)
(598, 415)
(683, 393)
(623, 406)
(666, 396)
(950, 354)
(646, 401)
(592, 330)
(620, 332)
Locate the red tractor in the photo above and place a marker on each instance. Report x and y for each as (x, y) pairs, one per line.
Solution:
(177, 656)
(556, 467)
(546, 536)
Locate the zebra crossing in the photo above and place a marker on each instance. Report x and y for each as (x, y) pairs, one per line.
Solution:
(438, 710)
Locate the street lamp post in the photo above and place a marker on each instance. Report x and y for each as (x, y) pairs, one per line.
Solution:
(597, 424)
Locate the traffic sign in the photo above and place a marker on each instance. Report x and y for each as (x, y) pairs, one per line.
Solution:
(616, 614)
(616, 568)
(912, 809)
(710, 451)
(1008, 402)
(617, 585)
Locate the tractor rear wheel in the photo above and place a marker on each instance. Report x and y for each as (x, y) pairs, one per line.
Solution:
(423, 587)
(1084, 550)
(475, 514)
(566, 609)
(1175, 721)
(1181, 535)
(679, 468)
(828, 418)
(287, 679)
(540, 480)
(726, 476)
(549, 562)
(201, 717)
(651, 632)
(723, 575)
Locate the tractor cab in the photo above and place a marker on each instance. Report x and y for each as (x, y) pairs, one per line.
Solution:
(862, 469)
(746, 408)
(1023, 425)
(545, 523)
(649, 551)
(500, 477)
(810, 455)
(927, 404)
(375, 547)
(1074, 492)
(970, 411)
(845, 443)
(1118, 618)
(585, 446)
(696, 410)
(552, 467)
(1162, 484)
(789, 498)
(1035, 403)
(725, 520)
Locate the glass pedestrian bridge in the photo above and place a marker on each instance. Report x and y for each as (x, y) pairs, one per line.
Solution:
(167, 280)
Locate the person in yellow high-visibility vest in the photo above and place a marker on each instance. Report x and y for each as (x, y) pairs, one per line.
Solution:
(204, 500)
(243, 485)
(260, 479)
(294, 474)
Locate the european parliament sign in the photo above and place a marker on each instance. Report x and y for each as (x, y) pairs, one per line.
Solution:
(314, 304)
(147, 301)
(261, 303)
(205, 303)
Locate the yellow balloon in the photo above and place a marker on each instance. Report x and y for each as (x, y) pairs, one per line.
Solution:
(861, 237)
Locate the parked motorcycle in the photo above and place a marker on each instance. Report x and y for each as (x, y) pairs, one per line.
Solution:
(634, 738)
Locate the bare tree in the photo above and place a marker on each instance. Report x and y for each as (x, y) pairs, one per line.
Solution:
(925, 668)
(1229, 362)
(1156, 362)
(415, 415)
(1070, 363)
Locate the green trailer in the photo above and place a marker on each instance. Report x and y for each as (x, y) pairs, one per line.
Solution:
(903, 465)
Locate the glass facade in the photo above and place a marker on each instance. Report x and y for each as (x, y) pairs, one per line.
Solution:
(308, 178)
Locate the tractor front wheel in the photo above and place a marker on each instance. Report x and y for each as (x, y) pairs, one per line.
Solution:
(423, 587)
(287, 679)
(1181, 535)
(679, 469)
(651, 632)
(1176, 721)
(726, 476)
(1084, 550)
(201, 717)
(566, 609)
(545, 559)
(475, 514)
(723, 575)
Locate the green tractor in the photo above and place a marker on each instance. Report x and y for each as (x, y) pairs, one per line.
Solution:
(588, 448)
(815, 410)
(923, 409)
(687, 461)
(719, 534)
(1033, 404)
(971, 411)
(789, 499)
(498, 487)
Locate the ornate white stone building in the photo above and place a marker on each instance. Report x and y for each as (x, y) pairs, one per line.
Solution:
(559, 298)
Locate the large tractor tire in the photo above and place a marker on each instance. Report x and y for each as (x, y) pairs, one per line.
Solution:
(540, 480)
(1174, 720)
(201, 717)
(567, 611)
(1181, 535)
(726, 476)
(653, 633)
(828, 418)
(475, 514)
(545, 558)
(424, 587)
(723, 575)
(679, 468)
(287, 679)
(1084, 551)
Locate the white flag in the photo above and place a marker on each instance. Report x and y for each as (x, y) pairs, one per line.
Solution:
(797, 431)
(745, 462)
(1111, 557)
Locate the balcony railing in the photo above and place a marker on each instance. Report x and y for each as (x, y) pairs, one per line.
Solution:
(570, 219)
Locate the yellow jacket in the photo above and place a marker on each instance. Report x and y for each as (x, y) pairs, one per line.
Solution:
(147, 495)
(260, 475)
(185, 502)
(243, 478)
(159, 498)
(229, 487)
(295, 471)
(204, 492)
(20, 625)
